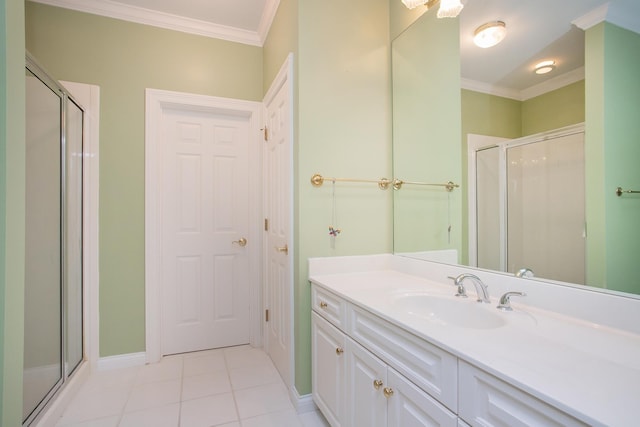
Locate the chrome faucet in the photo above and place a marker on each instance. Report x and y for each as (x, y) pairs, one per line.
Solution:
(525, 272)
(505, 302)
(481, 289)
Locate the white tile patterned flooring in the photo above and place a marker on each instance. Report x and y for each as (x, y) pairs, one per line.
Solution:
(231, 387)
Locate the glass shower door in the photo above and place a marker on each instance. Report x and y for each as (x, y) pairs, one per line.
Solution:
(43, 369)
(546, 208)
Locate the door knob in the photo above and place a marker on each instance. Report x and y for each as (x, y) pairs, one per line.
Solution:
(242, 242)
(284, 249)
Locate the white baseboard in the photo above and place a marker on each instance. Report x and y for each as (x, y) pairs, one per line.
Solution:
(302, 404)
(121, 361)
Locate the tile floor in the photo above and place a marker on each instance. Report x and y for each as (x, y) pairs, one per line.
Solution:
(231, 387)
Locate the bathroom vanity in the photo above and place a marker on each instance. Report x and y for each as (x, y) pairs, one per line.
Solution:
(392, 345)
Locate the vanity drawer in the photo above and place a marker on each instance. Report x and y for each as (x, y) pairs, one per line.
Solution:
(488, 401)
(329, 306)
(430, 368)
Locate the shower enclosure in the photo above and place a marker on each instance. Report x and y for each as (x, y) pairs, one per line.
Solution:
(53, 327)
(528, 204)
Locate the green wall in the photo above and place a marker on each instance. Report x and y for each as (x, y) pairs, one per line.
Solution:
(12, 211)
(426, 135)
(344, 130)
(553, 110)
(282, 40)
(613, 131)
(124, 58)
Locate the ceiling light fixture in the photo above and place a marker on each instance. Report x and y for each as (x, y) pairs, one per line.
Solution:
(489, 34)
(545, 67)
(448, 8)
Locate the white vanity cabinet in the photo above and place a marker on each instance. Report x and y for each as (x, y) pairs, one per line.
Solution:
(354, 387)
(488, 401)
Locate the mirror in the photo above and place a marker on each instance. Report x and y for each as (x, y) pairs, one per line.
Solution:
(448, 94)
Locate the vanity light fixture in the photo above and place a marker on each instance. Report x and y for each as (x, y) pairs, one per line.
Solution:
(448, 8)
(412, 4)
(545, 67)
(489, 34)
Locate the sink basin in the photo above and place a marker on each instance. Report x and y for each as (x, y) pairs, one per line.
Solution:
(463, 313)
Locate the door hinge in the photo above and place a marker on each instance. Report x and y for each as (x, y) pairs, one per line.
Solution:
(266, 315)
(266, 224)
(266, 133)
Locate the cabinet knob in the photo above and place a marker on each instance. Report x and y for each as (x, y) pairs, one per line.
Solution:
(339, 351)
(377, 384)
(323, 304)
(388, 392)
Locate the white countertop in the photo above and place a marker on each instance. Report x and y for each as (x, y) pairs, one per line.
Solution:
(589, 371)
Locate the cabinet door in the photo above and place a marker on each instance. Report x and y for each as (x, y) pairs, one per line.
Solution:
(328, 370)
(410, 406)
(366, 380)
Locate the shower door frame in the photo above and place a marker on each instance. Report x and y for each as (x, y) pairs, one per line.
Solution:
(87, 98)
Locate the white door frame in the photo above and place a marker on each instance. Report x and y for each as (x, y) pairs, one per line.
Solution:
(156, 101)
(285, 77)
(89, 98)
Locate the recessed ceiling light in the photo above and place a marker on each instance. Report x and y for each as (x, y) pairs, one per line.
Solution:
(545, 67)
(489, 34)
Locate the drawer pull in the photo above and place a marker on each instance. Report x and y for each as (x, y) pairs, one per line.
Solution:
(339, 351)
(323, 304)
(388, 392)
(377, 384)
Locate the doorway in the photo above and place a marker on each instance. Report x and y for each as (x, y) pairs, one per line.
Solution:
(202, 235)
(278, 202)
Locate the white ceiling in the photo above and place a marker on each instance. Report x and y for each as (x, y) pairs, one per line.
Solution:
(536, 30)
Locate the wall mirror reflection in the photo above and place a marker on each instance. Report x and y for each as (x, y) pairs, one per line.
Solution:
(538, 155)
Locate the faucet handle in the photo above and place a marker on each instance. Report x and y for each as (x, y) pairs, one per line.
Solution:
(462, 292)
(505, 301)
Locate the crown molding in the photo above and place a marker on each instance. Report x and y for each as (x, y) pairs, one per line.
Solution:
(552, 84)
(490, 89)
(592, 18)
(112, 9)
(621, 14)
(268, 15)
(528, 93)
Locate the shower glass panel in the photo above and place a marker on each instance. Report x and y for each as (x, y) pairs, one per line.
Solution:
(43, 369)
(53, 318)
(546, 208)
(73, 235)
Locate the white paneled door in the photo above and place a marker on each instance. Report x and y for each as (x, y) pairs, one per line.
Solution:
(277, 207)
(205, 214)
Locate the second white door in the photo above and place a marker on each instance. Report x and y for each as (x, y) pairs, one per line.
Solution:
(205, 214)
